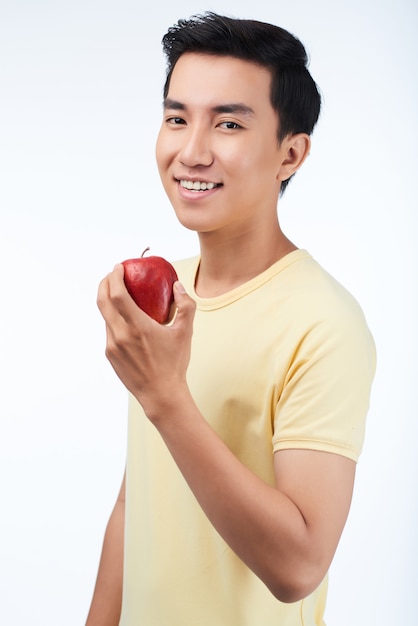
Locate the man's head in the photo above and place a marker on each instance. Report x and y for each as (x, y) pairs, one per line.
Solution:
(294, 94)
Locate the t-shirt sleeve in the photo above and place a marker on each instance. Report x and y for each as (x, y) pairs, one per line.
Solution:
(325, 397)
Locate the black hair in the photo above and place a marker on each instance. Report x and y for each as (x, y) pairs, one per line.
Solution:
(294, 93)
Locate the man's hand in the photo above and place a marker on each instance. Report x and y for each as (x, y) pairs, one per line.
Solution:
(151, 359)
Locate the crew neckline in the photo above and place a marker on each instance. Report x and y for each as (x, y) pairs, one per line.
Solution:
(216, 302)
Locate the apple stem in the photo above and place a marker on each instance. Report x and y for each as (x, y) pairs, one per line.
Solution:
(146, 250)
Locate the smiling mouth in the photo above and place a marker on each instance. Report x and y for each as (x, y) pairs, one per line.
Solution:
(197, 185)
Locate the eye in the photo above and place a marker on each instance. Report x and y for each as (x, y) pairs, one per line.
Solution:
(230, 125)
(175, 121)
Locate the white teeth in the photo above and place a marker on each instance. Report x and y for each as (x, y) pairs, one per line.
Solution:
(197, 185)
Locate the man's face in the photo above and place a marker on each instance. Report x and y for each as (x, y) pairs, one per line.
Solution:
(217, 151)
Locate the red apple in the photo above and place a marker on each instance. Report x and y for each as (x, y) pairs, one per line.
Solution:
(149, 281)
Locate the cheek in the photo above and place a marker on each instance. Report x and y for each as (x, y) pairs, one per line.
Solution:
(164, 149)
(252, 164)
(159, 152)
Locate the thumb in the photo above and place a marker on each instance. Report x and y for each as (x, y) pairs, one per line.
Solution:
(185, 305)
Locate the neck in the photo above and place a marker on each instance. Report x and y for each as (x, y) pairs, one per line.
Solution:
(227, 263)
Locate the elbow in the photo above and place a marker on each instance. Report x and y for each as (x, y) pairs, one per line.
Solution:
(291, 593)
(296, 586)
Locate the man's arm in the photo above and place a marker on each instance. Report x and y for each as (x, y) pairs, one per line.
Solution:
(286, 533)
(107, 597)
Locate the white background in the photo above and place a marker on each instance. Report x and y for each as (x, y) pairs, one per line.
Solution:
(80, 101)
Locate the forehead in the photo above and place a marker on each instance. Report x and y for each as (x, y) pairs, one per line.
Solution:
(219, 78)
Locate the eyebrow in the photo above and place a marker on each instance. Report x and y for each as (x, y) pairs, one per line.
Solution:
(233, 107)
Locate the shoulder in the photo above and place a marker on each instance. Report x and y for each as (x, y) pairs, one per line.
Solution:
(316, 294)
(322, 313)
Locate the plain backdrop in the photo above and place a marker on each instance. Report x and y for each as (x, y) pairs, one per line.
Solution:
(80, 106)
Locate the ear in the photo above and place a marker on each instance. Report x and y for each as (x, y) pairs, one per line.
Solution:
(295, 149)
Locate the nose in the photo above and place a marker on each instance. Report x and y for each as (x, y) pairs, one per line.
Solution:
(196, 148)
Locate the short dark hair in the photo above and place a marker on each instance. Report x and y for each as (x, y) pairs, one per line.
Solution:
(294, 93)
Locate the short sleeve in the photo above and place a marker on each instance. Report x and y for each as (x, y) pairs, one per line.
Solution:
(326, 393)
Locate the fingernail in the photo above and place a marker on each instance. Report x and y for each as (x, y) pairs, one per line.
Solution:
(179, 287)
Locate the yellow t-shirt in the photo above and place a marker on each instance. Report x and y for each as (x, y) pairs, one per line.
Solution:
(283, 361)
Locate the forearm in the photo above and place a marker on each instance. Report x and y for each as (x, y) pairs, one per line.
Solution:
(261, 524)
(107, 598)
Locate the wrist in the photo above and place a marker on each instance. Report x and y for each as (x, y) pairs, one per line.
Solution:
(167, 406)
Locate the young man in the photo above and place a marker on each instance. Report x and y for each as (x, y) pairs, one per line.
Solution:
(247, 412)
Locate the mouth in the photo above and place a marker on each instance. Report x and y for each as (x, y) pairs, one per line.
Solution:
(198, 185)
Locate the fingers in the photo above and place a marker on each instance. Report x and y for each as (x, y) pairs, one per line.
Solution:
(185, 312)
(145, 354)
(186, 306)
(103, 293)
(114, 300)
(117, 292)
(114, 303)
